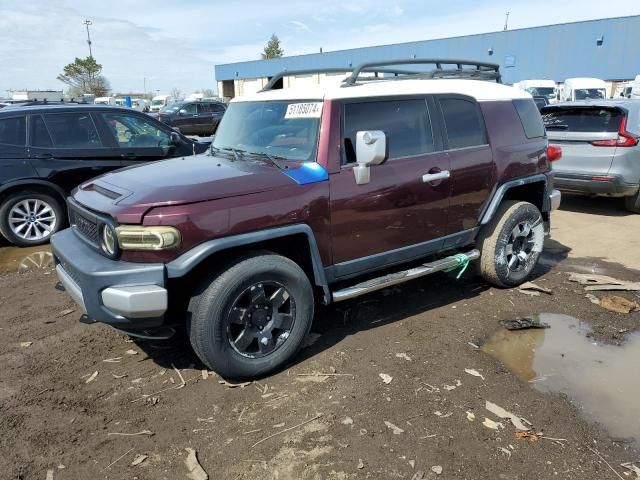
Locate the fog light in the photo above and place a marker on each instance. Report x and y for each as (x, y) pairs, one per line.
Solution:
(108, 241)
(147, 238)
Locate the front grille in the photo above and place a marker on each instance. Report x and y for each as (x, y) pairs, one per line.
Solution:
(86, 227)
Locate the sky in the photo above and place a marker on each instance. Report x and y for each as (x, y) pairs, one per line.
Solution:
(162, 44)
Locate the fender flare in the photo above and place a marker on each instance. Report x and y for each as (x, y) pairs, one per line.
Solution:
(191, 259)
(34, 181)
(501, 191)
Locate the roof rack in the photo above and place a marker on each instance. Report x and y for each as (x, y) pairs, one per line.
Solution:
(287, 73)
(469, 69)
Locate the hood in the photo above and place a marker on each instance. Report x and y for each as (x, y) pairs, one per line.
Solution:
(130, 192)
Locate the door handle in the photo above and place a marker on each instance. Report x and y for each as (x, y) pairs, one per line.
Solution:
(434, 177)
(129, 156)
(44, 156)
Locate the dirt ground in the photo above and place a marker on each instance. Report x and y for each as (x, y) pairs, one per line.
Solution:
(85, 402)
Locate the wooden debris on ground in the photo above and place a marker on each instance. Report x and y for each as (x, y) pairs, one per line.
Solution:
(500, 412)
(395, 429)
(594, 282)
(92, 377)
(196, 472)
(138, 460)
(287, 430)
(66, 312)
(531, 288)
(617, 304)
(143, 432)
(473, 372)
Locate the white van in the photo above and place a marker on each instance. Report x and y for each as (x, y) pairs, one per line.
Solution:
(540, 88)
(635, 88)
(584, 89)
(160, 101)
(105, 101)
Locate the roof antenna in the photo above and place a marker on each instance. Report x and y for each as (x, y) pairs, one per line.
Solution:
(506, 22)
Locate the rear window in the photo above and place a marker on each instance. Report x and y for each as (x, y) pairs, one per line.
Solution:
(529, 117)
(464, 124)
(582, 119)
(13, 131)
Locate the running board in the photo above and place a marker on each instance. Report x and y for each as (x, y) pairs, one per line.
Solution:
(400, 277)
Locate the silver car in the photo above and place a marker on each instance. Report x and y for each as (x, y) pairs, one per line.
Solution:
(600, 150)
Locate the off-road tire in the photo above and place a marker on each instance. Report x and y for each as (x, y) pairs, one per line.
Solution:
(494, 239)
(632, 203)
(14, 199)
(214, 299)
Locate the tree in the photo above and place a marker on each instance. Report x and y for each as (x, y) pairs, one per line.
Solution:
(84, 76)
(272, 49)
(208, 93)
(176, 93)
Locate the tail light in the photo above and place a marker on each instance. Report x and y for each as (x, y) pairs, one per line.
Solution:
(625, 139)
(554, 153)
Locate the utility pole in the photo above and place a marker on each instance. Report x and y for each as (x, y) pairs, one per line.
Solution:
(87, 23)
(506, 22)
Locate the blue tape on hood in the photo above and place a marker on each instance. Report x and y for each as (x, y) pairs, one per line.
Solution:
(307, 173)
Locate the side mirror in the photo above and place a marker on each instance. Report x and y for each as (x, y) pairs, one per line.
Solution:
(175, 138)
(371, 149)
(182, 111)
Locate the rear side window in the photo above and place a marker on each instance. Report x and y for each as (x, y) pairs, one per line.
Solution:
(582, 119)
(204, 108)
(216, 107)
(13, 131)
(72, 130)
(406, 124)
(463, 121)
(529, 117)
(39, 134)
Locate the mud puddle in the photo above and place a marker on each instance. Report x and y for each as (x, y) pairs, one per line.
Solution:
(15, 259)
(602, 380)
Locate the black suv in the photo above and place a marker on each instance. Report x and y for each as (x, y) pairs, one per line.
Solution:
(47, 150)
(198, 117)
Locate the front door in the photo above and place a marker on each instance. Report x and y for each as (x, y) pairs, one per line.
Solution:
(397, 216)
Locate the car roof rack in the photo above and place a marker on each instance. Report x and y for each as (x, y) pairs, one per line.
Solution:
(287, 73)
(443, 68)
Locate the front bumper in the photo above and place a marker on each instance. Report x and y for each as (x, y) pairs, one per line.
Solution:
(122, 294)
(610, 185)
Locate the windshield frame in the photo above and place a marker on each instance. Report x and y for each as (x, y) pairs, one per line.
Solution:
(264, 151)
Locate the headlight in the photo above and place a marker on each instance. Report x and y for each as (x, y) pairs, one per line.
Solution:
(147, 238)
(108, 241)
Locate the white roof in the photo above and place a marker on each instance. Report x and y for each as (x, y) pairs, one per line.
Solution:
(585, 82)
(482, 91)
(538, 83)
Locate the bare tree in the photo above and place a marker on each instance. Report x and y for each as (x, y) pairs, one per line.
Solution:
(208, 93)
(176, 93)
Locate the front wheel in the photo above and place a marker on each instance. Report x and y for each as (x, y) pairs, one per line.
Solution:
(511, 244)
(30, 218)
(252, 318)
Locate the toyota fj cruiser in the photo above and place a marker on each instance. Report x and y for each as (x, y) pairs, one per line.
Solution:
(315, 195)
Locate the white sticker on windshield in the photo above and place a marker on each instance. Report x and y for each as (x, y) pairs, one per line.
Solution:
(304, 110)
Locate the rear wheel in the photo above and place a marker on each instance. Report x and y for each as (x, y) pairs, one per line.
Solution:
(30, 218)
(511, 244)
(252, 318)
(633, 203)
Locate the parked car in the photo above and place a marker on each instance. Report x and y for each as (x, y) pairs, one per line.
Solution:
(47, 150)
(584, 89)
(160, 101)
(199, 117)
(321, 194)
(600, 144)
(540, 88)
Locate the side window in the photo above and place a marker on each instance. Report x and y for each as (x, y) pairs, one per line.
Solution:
(463, 122)
(134, 131)
(218, 108)
(529, 117)
(39, 135)
(406, 124)
(72, 130)
(13, 131)
(204, 108)
(190, 108)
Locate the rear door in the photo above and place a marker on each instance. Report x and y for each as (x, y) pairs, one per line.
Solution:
(68, 149)
(204, 122)
(396, 216)
(14, 162)
(186, 118)
(574, 128)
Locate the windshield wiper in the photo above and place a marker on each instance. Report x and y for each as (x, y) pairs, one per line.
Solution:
(237, 153)
(559, 126)
(275, 159)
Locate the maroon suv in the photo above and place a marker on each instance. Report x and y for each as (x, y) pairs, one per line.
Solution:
(312, 195)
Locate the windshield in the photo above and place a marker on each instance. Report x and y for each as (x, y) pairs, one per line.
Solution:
(284, 129)
(157, 102)
(590, 93)
(174, 107)
(548, 92)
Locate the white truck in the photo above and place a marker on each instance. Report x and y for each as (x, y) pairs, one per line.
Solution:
(105, 101)
(540, 88)
(583, 88)
(160, 101)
